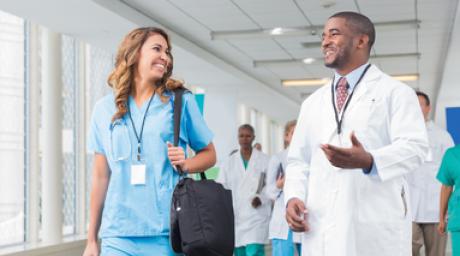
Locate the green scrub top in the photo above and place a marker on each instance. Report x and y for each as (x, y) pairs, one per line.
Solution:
(449, 175)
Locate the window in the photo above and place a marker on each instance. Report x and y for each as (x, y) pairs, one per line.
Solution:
(99, 64)
(84, 73)
(69, 126)
(12, 133)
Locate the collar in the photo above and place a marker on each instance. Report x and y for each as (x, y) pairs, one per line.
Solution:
(352, 77)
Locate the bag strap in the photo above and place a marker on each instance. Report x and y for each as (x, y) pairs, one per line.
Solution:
(176, 118)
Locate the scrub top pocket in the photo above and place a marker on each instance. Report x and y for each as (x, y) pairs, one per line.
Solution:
(120, 145)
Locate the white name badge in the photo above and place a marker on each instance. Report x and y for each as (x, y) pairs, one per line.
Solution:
(138, 174)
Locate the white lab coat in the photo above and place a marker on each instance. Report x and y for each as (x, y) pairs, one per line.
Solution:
(278, 228)
(351, 213)
(424, 188)
(251, 225)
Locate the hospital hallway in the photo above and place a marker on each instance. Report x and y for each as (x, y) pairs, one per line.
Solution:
(87, 93)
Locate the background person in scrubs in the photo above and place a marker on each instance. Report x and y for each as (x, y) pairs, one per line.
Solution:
(133, 176)
(425, 190)
(449, 176)
(244, 174)
(283, 239)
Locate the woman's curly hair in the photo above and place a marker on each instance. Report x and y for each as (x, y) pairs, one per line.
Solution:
(122, 77)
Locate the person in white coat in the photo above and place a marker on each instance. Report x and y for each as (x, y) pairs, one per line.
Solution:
(425, 190)
(355, 139)
(244, 173)
(282, 237)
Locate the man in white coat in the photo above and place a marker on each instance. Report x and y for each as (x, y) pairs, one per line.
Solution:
(283, 239)
(355, 139)
(425, 189)
(244, 174)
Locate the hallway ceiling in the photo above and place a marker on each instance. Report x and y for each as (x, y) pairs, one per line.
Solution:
(412, 38)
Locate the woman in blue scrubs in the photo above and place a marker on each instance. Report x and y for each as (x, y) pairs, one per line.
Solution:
(133, 176)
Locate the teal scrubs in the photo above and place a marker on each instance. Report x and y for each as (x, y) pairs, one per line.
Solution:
(250, 250)
(449, 175)
(142, 210)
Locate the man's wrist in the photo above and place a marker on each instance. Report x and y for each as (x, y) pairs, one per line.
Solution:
(369, 164)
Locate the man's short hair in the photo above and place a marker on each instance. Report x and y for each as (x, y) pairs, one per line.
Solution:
(425, 96)
(359, 24)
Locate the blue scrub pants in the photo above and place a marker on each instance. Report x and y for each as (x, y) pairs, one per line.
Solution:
(281, 247)
(136, 246)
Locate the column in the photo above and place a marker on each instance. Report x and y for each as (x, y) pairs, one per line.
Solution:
(33, 123)
(52, 187)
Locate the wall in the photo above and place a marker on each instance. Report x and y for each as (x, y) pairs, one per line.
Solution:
(449, 92)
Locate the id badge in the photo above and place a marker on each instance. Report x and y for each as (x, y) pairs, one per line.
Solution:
(138, 174)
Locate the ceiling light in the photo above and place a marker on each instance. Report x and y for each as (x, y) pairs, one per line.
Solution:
(303, 31)
(308, 60)
(305, 82)
(279, 62)
(323, 81)
(406, 77)
(276, 31)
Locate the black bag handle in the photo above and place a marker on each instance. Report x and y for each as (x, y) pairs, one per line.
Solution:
(177, 116)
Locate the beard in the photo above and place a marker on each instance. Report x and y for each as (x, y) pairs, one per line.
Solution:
(342, 57)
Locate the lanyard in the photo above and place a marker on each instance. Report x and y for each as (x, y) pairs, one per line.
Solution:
(337, 120)
(139, 137)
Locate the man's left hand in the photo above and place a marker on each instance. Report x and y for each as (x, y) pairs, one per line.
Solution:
(348, 158)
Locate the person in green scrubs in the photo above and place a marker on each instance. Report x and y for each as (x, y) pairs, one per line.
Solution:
(449, 176)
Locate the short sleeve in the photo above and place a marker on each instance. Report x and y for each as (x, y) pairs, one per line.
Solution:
(198, 134)
(94, 137)
(444, 175)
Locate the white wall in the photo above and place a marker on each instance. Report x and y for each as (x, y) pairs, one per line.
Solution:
(221, 114)
(449, 92)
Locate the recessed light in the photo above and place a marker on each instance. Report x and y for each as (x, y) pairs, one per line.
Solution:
(277, 31)
(308, 60)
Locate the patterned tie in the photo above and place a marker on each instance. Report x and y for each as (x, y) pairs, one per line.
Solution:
(342, 92)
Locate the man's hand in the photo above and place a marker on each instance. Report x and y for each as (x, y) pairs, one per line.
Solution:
(296, 215)
(348, 158)
(256, 202)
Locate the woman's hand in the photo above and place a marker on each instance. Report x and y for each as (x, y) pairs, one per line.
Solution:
(176, 156)
(442, 227)
(91, 249)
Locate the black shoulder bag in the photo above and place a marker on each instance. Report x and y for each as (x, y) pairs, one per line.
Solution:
(202, 222)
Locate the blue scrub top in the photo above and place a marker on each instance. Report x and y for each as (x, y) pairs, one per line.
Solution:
(142, 210)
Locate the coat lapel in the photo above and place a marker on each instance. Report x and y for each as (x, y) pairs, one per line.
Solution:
(372, 76)
(329, 125)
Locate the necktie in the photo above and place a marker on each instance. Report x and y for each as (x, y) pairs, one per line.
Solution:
(342, 92)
